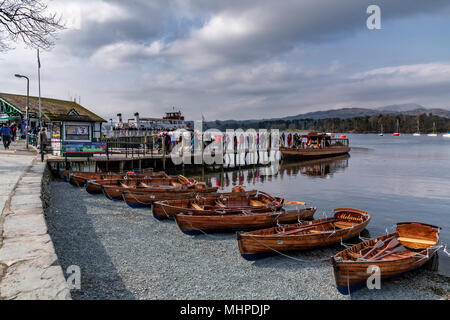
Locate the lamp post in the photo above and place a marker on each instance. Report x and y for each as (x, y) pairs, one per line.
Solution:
(28, 105)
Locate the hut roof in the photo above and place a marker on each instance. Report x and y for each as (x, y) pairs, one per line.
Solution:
(54, 109)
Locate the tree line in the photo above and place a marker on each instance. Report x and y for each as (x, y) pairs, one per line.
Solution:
(368, 124)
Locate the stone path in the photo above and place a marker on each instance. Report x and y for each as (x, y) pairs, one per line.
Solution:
(29, 267)
(13, 163)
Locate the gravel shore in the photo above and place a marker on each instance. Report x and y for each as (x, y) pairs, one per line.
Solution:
(125, 253)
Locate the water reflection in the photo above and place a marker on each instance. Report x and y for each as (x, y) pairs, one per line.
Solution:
(316, 168)
(323, 168)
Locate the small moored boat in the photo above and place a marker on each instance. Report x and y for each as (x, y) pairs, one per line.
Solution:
(96, 186)
(170, 184)
(221, 204)
(345, 224)
(147, 199)
(80, 178)
(411, 246)
(196, 224)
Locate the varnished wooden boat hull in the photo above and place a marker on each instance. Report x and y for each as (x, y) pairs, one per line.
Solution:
(263, 243)
(116, 193)
(147, 199)
(352, 275)
(80, 178)
(197, 224)
(95, 186)
(168, 209)
(306, 154)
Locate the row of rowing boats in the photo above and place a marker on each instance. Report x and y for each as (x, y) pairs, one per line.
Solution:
(265, 226)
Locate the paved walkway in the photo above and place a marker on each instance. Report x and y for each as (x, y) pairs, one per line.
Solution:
(29, 267)
(13, 163)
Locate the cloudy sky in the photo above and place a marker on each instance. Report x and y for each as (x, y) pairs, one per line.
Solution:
(240, 59)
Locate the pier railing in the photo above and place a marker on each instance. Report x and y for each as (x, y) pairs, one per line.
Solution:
(32, 140)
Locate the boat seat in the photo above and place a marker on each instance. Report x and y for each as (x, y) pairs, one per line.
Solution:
(344, 224)
(256, 203)
(196, 206)
(315, 231)
(414, 240)
(175, 184)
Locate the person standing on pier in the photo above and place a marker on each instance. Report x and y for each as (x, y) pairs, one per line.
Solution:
(43, 139)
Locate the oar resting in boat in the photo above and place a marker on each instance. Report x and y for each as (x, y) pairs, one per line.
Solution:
(345, 224)
(411, 246)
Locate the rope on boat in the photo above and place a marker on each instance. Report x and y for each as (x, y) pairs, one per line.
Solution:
(136, 199)
(363, 238)
(164, 209)
(445, 250)
(286, 255)
(347, 245)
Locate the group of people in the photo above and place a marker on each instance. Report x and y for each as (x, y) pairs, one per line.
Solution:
(297, 142)
(8, 133)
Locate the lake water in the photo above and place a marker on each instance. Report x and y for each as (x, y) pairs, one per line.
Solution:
(395, 179)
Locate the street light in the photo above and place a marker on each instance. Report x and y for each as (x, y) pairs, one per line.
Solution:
(28, 105)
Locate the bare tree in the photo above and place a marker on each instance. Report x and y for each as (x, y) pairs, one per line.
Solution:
(29, 21)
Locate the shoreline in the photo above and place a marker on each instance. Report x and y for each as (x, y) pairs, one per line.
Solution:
(125, 253)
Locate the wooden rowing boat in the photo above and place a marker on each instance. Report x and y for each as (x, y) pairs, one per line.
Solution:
(345, 224)
(411, 246)
(147, 199)
(170, 184)
(178, 184)
(66, 174)
(221, 204)
(196, 224)
(80, 178)
(95, 186)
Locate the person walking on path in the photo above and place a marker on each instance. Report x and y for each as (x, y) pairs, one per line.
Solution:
(13, 132)
(6, 133)
(43, 142)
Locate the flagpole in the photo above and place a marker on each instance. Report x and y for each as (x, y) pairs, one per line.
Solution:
(39, 85)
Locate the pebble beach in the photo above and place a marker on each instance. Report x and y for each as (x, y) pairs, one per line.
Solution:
(125, 253)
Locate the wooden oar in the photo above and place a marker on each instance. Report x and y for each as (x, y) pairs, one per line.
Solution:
(377, 245)
(303, 228)
(396, 250)
(391, 245)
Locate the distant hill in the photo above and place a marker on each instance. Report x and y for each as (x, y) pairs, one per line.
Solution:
(411, 109)
(311, 120)
(402, 107)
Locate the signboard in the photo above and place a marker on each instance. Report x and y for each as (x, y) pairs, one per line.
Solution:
(83, 147)
(82, 130)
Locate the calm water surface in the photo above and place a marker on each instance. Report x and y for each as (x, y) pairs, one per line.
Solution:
(395, 179)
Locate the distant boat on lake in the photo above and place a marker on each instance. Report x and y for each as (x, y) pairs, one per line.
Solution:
(396, 134)
(434, 134)
(447, 135)
(381, 133)
(417, 134)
